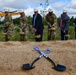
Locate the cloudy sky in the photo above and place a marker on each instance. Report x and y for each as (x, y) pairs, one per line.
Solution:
(28, 6)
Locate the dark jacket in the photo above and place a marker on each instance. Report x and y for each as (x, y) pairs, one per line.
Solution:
(75, 21)
(65, 22)
(38, 22)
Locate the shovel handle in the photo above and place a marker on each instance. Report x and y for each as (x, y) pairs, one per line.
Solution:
(37, 49)
(50, 61)
(35, 61)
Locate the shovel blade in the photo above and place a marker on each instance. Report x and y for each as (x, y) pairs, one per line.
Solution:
(27, 67)
(60, 67)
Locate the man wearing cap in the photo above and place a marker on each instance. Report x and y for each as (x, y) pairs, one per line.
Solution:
(37, 25)
(64, 25)
(23, 26)
(8, 25)
(51, 20)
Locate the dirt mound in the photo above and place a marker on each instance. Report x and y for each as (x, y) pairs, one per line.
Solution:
(14, 54)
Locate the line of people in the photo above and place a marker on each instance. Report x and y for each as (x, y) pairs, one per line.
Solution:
(9, 26)
(52, 23)
(37, 25)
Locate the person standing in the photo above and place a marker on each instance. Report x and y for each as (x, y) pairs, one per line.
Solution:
(38, 26)
(64, 25)
(23, 26)
(51, 20)
(8, 25)
(74, 23)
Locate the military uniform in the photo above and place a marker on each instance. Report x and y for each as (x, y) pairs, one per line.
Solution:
(23, 28)
(8, 26)
(52, 20)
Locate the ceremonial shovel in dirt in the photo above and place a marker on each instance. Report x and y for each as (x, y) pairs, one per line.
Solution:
(30, 66)
(57, 67)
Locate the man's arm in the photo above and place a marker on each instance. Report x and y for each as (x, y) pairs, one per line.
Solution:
(55, 21)
(48, 21)
(67, 23)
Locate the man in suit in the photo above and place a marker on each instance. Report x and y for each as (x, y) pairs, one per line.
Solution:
(74, 23)
(64, 25)
(37, 25)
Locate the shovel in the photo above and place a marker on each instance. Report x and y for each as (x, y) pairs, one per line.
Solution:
(57, 67)
(30, 66)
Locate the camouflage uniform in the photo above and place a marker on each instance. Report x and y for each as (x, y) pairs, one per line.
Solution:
(23, 27)
(51, 19)
(8, 26)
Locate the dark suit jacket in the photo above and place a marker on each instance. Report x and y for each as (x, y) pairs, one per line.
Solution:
(66, 22)
(38, 23)
(75, 21)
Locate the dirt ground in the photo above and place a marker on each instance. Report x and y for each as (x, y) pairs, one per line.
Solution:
(13, 54)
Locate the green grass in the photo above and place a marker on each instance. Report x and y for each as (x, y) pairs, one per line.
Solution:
(1, 36)
(72, 33)
(16, 36)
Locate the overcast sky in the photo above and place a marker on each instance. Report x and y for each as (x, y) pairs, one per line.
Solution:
(28, 6)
